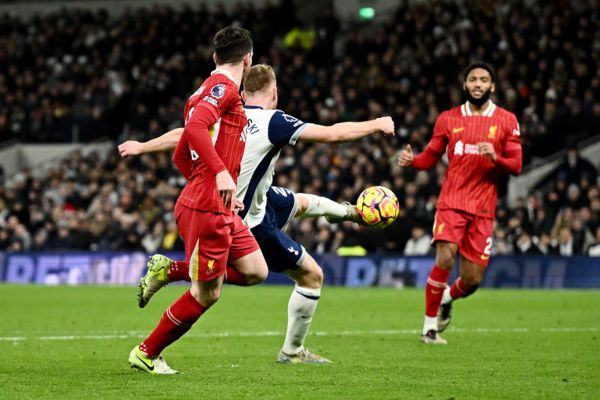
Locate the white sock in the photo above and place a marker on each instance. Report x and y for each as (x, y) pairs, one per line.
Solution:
(429, 324)
(301, 308)
(322, 206)
(446, 298)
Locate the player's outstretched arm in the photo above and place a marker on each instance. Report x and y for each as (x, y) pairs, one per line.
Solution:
(433, 152)
(346, 131)
(165, 142)
(427, 159)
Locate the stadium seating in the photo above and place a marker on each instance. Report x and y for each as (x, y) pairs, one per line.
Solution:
(82, 75)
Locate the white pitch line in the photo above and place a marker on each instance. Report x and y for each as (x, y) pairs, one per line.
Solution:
(139, 334)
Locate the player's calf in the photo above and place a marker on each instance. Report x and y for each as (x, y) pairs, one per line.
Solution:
(309, 275)
(207, 293)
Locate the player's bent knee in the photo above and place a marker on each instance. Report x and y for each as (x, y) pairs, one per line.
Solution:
(206, 295)
(260, 272)
(470, 281)
(257, 276)
(445, 262)
(210, 297)
(253, 267)
(309, 275)
(213, 296)
(444, 259)
(445, 254)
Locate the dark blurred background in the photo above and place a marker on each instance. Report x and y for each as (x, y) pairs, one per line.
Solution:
(79, 72)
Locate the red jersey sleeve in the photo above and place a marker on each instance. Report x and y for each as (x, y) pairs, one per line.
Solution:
(511, 159)
(182, 159)
(435, 148)
(209, 109)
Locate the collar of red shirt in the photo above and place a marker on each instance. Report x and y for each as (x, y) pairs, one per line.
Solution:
(489, 111)
(226, 73)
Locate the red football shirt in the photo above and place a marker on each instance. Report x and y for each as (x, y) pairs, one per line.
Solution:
(472, 179)
(212, 141)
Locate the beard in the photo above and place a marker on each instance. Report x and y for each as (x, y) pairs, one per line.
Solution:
(478, 102)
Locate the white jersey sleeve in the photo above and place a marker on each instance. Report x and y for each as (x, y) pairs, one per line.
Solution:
(285, 129)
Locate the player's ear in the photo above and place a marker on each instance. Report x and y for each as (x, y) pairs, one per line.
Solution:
(215, 58)
(493, 88)
(248, 59)
(243, 95)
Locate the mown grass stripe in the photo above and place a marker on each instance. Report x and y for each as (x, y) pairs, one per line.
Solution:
(137, 334)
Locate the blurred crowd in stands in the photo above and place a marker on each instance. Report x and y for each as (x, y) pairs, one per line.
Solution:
(83, 75)
(87, 203)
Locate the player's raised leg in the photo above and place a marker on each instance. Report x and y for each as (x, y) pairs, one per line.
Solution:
(246, 266)
(312, 206)
(246, 272)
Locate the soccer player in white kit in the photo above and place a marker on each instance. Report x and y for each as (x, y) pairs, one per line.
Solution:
(267, 210)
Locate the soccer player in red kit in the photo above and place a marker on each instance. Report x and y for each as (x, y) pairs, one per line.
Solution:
(482, 142)
(208, 155)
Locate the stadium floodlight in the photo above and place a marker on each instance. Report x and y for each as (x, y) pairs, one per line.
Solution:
(366, 13)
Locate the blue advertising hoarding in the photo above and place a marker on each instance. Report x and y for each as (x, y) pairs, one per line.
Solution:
(125, 268)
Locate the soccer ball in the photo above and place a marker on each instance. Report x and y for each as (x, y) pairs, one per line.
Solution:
(378, 206)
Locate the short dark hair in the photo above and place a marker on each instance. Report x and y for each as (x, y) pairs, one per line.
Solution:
(231, 45)
(482, 65)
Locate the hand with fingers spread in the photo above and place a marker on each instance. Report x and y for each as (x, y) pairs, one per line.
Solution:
(487, 149)
(406, 156)
(226, 187)
(130, 148)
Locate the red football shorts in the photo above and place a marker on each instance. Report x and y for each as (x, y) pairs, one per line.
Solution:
(472, 233)
(211, 240)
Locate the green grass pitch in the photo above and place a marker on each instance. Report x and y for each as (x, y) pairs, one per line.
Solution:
(73, 343)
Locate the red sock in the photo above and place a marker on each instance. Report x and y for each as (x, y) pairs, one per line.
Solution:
(176, 321)
(434, 289)
(458, 290)
(179, 271)
(235, 277)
